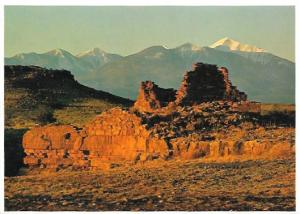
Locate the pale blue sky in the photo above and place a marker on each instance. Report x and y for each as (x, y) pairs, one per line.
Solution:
(126, 30)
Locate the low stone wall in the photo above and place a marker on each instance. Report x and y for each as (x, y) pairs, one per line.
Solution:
(118, 136)
(114, 136)
(233, 146)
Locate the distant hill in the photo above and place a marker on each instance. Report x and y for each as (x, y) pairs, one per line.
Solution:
(80, 65)
(35, 95)
(262, 75)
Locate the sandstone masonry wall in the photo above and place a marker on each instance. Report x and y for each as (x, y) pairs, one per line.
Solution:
(114, 136)
(206, 83)
(152, 97)
(211, 131)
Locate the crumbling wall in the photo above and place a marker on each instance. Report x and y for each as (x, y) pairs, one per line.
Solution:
(210, 131)
(152, 97)
(52, 146)
(114, 136)
(236, 147)
(207, 83)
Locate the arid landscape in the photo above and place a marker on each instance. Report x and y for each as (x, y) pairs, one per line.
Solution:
(149, 108)
(159, 185)
(202, 147)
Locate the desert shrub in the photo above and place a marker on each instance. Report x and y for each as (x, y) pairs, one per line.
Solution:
(43, 115)
(279, 118)
(13, 151)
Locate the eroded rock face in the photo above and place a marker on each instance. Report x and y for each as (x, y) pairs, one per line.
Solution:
(152, 97)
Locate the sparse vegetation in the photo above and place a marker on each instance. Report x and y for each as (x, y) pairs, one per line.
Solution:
(159, 185)
(81, 111)
(35, 95)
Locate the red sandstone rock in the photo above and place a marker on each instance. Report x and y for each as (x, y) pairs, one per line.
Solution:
(113, 136)
(50, 138)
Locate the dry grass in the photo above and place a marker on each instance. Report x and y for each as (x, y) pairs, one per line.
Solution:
(159, 185)
(267, 108)
(81, 111)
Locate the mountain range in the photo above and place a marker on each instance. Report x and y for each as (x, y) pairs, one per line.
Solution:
(264, 76)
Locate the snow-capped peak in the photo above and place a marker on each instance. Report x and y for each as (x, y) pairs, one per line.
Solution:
(92, 52)
(189, 47)
(57, 52)
(233, 45)
(20, 56)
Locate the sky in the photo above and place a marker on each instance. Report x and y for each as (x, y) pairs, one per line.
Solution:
(127, 30)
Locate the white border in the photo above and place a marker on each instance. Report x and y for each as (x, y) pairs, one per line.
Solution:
(153, 2)
(141, 3)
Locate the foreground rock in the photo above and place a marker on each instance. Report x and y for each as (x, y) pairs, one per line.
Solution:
(206, 118)
(114, 136)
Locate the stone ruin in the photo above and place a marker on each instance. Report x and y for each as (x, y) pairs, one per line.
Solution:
(115, 135)
(206, 118)
(204, 83)
(153, 97)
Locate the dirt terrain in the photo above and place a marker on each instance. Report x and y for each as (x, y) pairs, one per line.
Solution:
(159, 185)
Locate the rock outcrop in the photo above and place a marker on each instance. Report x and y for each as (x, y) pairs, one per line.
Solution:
(61, 82)
(208, 118)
